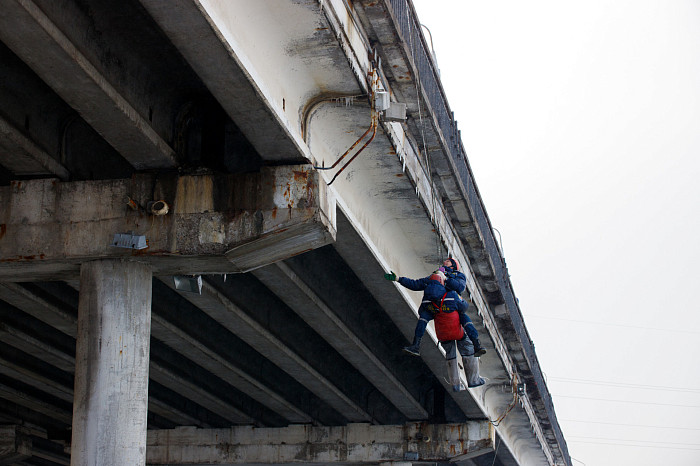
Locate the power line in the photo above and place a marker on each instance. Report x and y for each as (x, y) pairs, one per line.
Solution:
(637, 441)
(607, 324)
(630, 425)
(629, 385)
(635, 446)
(626, 401)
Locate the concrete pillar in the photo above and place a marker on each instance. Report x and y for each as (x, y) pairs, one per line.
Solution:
(111, 369)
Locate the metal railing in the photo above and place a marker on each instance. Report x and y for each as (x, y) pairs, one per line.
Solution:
(410, 29)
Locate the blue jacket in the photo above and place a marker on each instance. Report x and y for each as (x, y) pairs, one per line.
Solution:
(456, 281)
(433, 291)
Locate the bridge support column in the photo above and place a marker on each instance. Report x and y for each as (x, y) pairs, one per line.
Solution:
(112, 357)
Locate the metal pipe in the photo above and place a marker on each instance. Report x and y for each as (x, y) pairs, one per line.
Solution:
(374, 133)
(349, 149)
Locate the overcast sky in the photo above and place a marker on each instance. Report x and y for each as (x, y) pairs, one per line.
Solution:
(581, 120)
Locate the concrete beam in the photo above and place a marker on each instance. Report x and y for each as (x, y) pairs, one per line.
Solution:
(35, 404)
(286, 284)
(34, 37)
(234, 319)
(351, 444)
(62, 392)
(222, 70)
(352, 246)
(216, 224)
(15, 444)
(41, 349)
(22, 157)
(198, 352)
(37, 307)
(193, 391)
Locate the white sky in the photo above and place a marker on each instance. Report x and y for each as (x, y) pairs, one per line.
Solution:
(581, 120)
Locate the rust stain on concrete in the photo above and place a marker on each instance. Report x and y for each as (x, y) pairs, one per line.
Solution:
(300, 176)
(23, 258)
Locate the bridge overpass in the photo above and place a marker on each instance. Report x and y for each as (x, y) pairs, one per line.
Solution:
(277, 157)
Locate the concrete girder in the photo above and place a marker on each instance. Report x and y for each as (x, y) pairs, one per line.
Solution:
(235, 51)
(34, 37)
(172, 414)
(36, 404)
(351, 444)
(65, 362)
(36, 380)
(386, 222)
(235, 320)
(491, 400)
(49, 455)
(65, 393)
(198, 352)
(29, 344)
(15, 444)
(34, 305)
(22, 157)
(216, 224)
(395, 301)
(402, 75)
(191, 390)
(286, 284)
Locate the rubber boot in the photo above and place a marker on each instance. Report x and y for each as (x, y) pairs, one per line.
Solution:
(414, 349)
(471, 370)
(478, 349)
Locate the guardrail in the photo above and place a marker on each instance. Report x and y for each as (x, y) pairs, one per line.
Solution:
(410, 29)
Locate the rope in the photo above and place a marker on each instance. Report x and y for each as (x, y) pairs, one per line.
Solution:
(433, 200)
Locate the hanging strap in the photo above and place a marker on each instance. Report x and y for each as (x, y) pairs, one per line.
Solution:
(441, 302)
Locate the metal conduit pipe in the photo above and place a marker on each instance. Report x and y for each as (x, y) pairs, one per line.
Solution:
(350, 148)
(514, 428)
(374, 133)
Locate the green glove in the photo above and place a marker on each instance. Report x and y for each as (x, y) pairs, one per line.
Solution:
(390, 276)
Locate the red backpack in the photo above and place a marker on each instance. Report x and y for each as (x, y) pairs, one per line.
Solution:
(447, 324)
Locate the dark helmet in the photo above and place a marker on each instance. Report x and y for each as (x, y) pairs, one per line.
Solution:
(455, 264)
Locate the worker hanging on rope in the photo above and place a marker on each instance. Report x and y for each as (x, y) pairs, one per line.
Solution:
(457, 281)
(447, 308)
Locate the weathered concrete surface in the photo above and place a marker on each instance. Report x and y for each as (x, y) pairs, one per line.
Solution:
(21, 156)
(351, 444)
(15, 444)
(216, 224)
(111, 369)
(318, 315)
(34, 37)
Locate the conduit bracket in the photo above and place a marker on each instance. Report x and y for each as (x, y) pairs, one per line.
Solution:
(129, 241)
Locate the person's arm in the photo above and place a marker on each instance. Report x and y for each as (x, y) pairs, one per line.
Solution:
(461, 305)
(456, 281)
(415, 285)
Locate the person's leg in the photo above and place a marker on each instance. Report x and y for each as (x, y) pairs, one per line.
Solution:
(453, 365)
(472, 334)
(414, 348)
(471, 364)
(465, 347)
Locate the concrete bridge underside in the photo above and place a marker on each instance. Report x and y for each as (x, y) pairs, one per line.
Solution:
(291, 352)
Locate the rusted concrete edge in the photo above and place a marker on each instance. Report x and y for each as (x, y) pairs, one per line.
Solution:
(356, 443)
(214, 224)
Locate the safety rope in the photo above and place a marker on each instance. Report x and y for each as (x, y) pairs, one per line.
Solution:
(433, 200)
